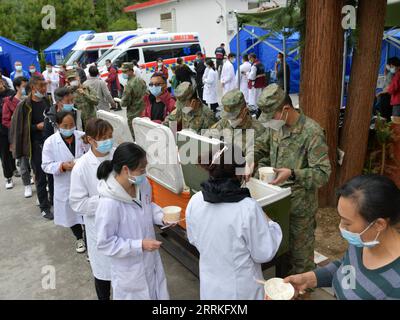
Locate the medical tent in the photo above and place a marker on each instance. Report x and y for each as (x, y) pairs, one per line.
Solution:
(11, 51)
(59, 49)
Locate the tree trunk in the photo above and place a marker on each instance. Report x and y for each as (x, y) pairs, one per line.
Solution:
(364, 75)
(322, 75)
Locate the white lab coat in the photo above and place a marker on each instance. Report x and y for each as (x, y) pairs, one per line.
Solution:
(122, 223)
(54, 153)
(244, 69)
(84, 198)
(55, 80)
(228, 78)
(254, 93)
(233, 240)
(137, 71)
(210, 80)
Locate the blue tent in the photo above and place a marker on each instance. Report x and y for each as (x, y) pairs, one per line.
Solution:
(59, 49)
(268, 49)
(390, 47)
(11, 51)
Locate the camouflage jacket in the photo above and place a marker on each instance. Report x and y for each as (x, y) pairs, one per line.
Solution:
(240, 135)
(202, 118)
(302, 148)
(132, 99)
(85, 100)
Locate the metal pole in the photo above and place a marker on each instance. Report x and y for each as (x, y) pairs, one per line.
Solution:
(343, 69)
(238, 48)
(284, 63)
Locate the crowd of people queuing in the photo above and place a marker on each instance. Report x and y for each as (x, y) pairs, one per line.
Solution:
(101, 193)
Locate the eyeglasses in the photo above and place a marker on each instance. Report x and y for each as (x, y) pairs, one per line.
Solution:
(155, 84)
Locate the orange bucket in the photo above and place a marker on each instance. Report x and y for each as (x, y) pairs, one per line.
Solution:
(164, 198)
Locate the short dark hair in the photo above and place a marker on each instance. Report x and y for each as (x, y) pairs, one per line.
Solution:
(222, 44)
(252, 55)
(93, 71)
(60, 93)
(225, 166)
(394, 61)
(48, 63)
(62, 114)
(199, 53)
(108, 60)
(18, 81)
(210, 63)
(375, 196)
(96, 128)
(34, 80)
(231, 55)
(179, 60)
(127, 154)
(135, 62)
(245, 57)
(159, 74)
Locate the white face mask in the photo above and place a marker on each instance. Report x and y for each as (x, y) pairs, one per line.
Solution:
(393, 70)
(235, 122)
(74, 83)
(387, 67)
(276, 125)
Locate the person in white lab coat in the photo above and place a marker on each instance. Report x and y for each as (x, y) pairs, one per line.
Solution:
(228, 79)
(257, 81)
(52, 79)
(136, 69)
(60, 151)
(231, 232)
(84, 197)
(210, 81)
(244, 69)
(125, 221)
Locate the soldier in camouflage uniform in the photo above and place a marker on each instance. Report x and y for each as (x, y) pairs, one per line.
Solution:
(236, 126)
(133, 96)
(297, 148)
(85, 98)
(190, 112)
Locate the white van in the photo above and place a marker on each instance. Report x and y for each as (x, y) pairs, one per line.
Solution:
(90, 47)
(147, 48)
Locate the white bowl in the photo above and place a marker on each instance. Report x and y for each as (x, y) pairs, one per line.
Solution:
(172, 214)
(267, 174)
(276, 289)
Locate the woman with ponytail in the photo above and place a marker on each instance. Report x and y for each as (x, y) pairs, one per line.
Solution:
(84, 197)
(125, 219)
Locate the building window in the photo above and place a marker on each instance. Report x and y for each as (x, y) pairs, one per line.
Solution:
(167, 22)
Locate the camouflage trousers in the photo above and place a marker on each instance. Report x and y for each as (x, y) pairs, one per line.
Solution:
(302, 232)
(130, 118)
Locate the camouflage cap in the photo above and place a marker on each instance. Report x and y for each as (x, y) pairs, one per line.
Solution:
(71, 74)
(184, 91)
(126, 66)
(270, 100)
(233, 102)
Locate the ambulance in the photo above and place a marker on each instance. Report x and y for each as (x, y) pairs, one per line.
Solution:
(90, 47)
(147, 48)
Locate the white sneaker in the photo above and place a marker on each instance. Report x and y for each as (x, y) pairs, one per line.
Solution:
(80, 246)
(9, 184)
(28, 192)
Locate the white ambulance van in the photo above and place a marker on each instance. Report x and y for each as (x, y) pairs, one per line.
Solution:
(90, 47)
(147, 48)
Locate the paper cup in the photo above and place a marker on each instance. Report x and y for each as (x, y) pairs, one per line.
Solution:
(276, 289)
(267, 174)
(172, 214)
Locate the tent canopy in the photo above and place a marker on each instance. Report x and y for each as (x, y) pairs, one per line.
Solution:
(267, 50)
(59, 49)
(11, 51)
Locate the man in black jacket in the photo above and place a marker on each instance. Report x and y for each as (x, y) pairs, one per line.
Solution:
(200, 67)
(183, 73)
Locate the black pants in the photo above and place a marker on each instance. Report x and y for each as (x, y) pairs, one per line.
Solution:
(40, 176)
(220, 63)
(103, 289)
(77, 231)
(7, 161)
(214, 107)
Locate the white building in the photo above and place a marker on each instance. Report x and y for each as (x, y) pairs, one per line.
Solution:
(212, 19)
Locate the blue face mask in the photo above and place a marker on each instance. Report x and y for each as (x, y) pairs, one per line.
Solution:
(355, 238)
(125, 76)
(105, 146)
(155, 91)
(137, 179)
(39, 95)
(67, 132)
(23, 92)
(68, 107)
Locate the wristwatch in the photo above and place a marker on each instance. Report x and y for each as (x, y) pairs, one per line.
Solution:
(292, 176)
